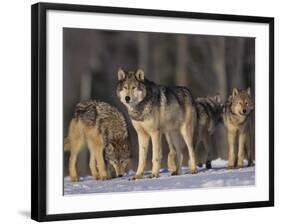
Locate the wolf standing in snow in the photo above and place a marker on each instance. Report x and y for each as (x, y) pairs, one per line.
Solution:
(103, 129)
(236, 117)
(155, 110)
(210, 115)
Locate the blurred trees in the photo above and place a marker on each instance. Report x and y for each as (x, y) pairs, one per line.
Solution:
(205, 64)
(182, 60)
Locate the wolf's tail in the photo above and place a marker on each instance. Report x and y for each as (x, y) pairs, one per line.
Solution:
(66, 144)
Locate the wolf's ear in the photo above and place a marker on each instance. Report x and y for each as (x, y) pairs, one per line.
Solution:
(234, 92)
(121, 74)
(249, 91)
(218, 98)
(139, 75)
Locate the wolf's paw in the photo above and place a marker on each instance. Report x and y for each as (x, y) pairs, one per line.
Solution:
(239, 163)
(250, 163)
(154, 175)
(136, 177)
(96, 177)
(174, 173)
(74, 179)
(193, 171)
(239, 166)
(208, 165)
(230, 167)
(104, 178)
(177, 172)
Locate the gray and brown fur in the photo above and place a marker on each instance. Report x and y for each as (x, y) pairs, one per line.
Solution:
(156, 110)
(209, 115)
(236, 117)
(103, 129)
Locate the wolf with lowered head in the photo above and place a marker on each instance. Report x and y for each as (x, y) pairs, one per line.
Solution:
(103, 129)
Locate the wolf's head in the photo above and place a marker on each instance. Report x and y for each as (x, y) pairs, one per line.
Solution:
(117, 154)
(131, 89)
(241, 102)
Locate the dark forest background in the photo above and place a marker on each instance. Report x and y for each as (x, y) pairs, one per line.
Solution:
(205, 64)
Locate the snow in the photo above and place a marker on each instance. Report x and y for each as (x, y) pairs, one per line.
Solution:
(218, 176)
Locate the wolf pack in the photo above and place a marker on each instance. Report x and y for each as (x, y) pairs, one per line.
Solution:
(157, 112)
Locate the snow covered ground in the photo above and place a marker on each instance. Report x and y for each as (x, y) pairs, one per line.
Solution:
(218, 176)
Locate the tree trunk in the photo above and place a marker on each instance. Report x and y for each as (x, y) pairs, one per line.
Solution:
(218, 50)
(143, 51)
(182, 58)
(156, 60)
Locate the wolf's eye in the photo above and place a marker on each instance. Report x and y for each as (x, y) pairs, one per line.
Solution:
(240, 102)
(125, 87)
(133, 87)
(246, 103)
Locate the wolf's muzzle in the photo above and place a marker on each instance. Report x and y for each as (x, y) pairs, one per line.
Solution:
(127, 98)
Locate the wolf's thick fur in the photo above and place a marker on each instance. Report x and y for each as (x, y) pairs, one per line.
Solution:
(103, 129)
(209, 115)
(155, 110)
(236, 117)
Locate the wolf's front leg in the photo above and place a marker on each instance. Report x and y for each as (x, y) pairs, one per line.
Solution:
(241, 149)
(143, 139)
(188, 136)
(97, 146)
(72, 167)
(249, 150)
(231, 135)
(101, 166)
(93, 165)
(156, 153)
(172, 155)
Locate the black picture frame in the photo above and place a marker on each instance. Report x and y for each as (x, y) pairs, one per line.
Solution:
(38, 108)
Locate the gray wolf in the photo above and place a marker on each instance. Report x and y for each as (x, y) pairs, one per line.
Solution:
(103, 129)
(209, 115)
(236, 117)
(155, 110)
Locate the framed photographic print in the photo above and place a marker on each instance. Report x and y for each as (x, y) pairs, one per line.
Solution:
(139, 111)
